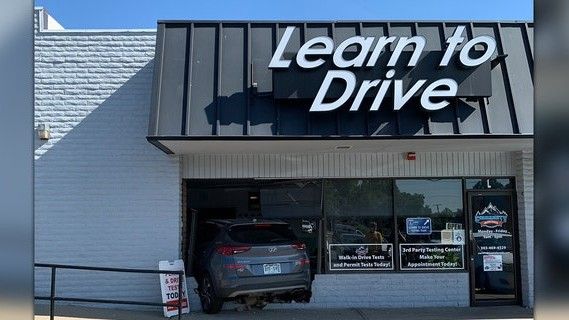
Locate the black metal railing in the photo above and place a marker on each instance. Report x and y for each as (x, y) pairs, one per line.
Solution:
(53, 298)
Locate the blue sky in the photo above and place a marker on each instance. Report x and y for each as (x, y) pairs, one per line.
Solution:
(94, 14)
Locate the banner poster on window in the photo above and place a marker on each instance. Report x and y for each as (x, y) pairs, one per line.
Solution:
(361, 256)
(169, 286)
(431, 256)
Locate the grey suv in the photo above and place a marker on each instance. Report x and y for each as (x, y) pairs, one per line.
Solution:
(253, 262)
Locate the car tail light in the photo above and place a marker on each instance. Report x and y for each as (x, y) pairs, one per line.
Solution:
(303, 262)
(298, 246)
(262, 225)
(231, 250)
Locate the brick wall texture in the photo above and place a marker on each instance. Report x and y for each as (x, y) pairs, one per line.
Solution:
(104, 196)
(523, 162)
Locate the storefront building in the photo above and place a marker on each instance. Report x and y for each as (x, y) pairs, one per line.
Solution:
(400, 152)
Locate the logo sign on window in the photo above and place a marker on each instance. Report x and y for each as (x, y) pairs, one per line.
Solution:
(491, 217)
(419, 226)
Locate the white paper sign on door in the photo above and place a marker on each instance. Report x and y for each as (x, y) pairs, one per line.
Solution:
(169, 287)
(492, 262)
(458, 236)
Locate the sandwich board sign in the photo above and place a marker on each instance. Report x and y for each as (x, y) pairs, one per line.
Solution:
(169, 288)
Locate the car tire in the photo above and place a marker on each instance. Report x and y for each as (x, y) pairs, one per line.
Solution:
(304, 297)
(210, 302)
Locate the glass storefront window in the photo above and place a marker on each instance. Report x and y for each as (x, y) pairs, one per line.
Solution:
(430, 222)
(352, 225)
(299, 198)
(359, 233)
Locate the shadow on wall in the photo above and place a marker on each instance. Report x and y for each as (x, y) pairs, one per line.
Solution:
(294, 118)
(131, 99)
(267, 116)
(104, 196)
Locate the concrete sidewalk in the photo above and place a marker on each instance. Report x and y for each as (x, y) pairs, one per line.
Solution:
(84, 313)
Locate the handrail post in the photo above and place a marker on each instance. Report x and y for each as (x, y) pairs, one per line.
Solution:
(52, 295)
(180, 295)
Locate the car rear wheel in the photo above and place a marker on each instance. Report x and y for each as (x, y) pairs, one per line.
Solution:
(211, 303)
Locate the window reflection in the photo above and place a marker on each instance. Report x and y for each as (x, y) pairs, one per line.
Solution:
(360, 230)
(440, 200)
(300, 198)
(360, 224)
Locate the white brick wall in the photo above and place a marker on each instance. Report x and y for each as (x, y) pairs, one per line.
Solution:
(383, 290)
(523, 162)
(391, 290)
(104, 196)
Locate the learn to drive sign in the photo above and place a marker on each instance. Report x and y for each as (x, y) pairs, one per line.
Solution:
(358, 55)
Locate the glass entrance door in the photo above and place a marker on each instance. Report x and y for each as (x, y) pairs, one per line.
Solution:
(494, 267)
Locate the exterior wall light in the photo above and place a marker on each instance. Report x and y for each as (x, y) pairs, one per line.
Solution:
(43, 131)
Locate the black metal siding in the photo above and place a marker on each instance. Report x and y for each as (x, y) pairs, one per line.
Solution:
(204, 74)
(172, 80)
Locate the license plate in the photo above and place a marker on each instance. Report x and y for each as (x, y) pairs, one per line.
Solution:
(272, 268)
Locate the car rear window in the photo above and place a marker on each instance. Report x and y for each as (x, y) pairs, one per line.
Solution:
(262, 233)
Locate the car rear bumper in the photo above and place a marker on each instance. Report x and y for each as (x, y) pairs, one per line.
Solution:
(265, 284)
(278, 290)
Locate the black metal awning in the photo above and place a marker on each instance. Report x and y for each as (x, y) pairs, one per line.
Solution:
(212, 82)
